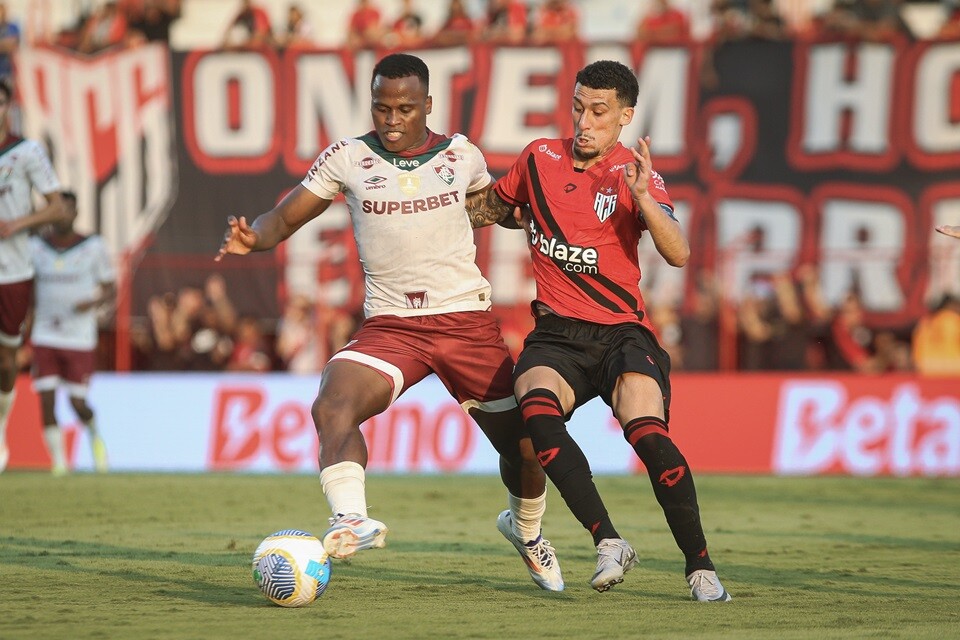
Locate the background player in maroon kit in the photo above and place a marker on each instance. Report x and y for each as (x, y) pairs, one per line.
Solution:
(590, 200)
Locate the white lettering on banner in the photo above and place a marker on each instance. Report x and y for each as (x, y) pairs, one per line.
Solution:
(511, 98)
(821, 429)
(935, 129)
(778, 225)
(109, 125)
(867, 97)
(862, 242)
(253, 134)
(662, 109)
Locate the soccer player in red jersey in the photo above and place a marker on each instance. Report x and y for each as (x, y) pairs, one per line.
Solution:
(426, 306)
(590, 200)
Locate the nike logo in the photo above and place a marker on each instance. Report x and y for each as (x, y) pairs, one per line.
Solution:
(546, 457)
(671, 477)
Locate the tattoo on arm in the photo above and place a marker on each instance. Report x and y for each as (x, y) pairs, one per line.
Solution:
(486, 207)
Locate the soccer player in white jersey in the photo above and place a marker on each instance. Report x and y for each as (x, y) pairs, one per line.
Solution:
(24, 167)
(74, 277)
(426, 306)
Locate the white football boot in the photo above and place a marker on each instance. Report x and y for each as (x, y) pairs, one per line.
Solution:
(539, 555)
(349, 533)
(615, 557)
(705, 587)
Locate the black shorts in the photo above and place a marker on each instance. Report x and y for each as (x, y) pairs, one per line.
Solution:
(590, 357)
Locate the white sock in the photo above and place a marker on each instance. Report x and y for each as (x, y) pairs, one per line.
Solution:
(6, 403)
(343, 486)
(54, 438)
(527, 514)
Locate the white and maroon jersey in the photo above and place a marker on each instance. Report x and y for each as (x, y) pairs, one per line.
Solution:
(584, 230)
(410, 223)
(64, 277)
(24, 166)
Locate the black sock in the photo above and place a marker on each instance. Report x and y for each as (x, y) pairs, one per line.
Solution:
(564, 463)
(673, 485)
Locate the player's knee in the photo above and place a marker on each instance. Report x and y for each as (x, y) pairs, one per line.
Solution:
(82, 409)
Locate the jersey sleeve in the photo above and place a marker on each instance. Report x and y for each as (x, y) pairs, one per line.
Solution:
(657, 189)
(103, 265)
(512, 187)
(327, 177)
(39, 170)
(479, 176)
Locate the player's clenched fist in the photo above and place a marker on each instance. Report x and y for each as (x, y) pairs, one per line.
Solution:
(239, 238)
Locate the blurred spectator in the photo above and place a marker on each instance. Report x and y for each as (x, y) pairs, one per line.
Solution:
(297, 340)
(458, 28)
(872, 20)
(364, 30)
(950, 29)
(192, 328)
(852, 339)
(555, 22)
(731, 21)
(666, 320)
(506, 22)
(249, 29)
(936, 339)
(407, 30)
(663, 23)
(9, 42)
(249, 350)
(151, 21)
(297, 32)
(700, 327)
(107, 27)
(766, 23)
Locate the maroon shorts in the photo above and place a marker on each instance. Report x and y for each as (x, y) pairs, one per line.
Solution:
(16, 298)
(465, 350)
(51, 366)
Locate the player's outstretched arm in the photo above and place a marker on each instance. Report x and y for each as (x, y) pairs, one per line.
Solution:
(948, 230)
(485, 207)
(665, 231)
(54, 211)
(297, 208)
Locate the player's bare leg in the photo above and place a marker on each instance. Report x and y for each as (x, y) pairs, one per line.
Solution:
(98, 447)
(8, 377)
(526, 485)
(349, 394)
(52, 434)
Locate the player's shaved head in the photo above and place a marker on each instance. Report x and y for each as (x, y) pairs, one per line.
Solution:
(608, 74)
(402, 65)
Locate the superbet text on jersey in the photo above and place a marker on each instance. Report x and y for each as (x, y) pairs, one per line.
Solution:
(584, 230)
(409, 221)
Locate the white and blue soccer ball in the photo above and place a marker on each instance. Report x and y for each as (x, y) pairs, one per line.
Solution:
(291, 568)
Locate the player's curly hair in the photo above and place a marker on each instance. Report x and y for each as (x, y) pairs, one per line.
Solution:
(608, 74)
(402, 65)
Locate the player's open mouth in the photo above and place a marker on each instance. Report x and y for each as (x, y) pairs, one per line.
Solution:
(393, 135)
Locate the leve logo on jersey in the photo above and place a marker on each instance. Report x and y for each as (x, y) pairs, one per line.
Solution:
(406, 163)
(605, 203)
(445, 173)
(409, 184)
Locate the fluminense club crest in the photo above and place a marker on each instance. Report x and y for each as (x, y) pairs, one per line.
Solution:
(445, 173)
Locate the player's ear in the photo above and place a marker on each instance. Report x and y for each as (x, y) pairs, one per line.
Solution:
(429, 105)
(626, 116)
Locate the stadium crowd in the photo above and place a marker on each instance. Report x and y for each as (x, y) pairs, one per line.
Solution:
(782, 323)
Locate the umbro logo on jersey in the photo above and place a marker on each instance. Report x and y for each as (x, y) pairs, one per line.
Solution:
(375, 182)
(569, 187)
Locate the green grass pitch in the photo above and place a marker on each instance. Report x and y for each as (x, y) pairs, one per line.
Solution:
(168, 556)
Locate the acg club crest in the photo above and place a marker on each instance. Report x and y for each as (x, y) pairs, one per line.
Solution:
(605, 203)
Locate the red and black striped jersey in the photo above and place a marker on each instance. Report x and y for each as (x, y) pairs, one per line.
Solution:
(584, 232)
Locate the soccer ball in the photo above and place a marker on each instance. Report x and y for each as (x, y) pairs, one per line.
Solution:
(291, 568)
